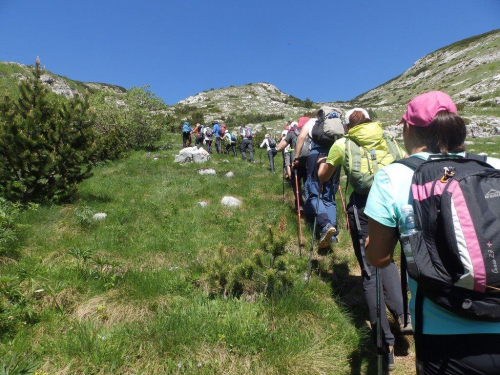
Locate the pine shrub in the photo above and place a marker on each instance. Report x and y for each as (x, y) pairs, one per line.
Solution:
(46, 144)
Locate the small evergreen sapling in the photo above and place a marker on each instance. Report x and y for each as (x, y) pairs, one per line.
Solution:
(266, 272)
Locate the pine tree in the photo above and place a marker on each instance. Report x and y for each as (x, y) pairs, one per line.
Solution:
(46, 144)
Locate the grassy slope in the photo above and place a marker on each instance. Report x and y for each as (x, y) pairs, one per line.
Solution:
(154, 314)
(144, 308)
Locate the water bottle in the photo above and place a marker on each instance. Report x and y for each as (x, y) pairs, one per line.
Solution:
(408, 228)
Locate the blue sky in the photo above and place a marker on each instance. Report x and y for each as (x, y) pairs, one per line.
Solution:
(324, 50)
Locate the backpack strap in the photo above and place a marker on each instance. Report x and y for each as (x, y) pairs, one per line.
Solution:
(412, 163)
(476, 157)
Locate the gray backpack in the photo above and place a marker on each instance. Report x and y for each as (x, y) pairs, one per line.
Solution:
(328, 127)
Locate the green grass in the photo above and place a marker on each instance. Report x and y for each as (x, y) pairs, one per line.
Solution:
(129, 294)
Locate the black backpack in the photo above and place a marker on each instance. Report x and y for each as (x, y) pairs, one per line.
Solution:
(455, 253)
(272, 142)
(328, 127)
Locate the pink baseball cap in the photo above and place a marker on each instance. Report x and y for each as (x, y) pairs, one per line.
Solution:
(422, 109)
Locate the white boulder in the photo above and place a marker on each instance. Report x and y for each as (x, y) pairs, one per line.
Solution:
(99, 216)
(231, 201)
(192, 154)
(207, 171)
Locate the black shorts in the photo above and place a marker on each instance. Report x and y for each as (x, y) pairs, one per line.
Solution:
(459, 354)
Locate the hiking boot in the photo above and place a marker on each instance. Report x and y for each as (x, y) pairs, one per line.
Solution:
(408, 330)
(327, 233)
(334, 240)
(389, 359)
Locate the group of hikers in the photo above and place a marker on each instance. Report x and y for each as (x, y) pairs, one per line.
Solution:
(219, 132)
(440, 202)
(206, 134)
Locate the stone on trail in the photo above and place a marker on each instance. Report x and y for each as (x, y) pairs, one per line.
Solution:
(192, 154)
(231, 201)
(207, 171)
(99, 216)
(229, 174)
(203, 204)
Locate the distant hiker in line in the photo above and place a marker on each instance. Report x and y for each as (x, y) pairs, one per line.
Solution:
(207, 132)
(230, 142)
(198, 135)
(216, 133)
(287, 161)
(246, 143)
(367, 137)
(458, 253)
(319, 202)
(298, 171)
(270, 143)
(186, 134)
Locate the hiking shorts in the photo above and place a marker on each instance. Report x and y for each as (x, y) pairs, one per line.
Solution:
(287, 158)
(459, 354)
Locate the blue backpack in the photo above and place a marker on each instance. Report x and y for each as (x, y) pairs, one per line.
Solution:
(248, 132)
(233, 138)
(186, 128)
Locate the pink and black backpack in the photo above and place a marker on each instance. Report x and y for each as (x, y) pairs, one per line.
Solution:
(456, 251)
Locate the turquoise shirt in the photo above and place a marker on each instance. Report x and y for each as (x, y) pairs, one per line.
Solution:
(389, 192)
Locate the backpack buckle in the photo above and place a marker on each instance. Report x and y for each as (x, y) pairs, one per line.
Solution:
(449, 172)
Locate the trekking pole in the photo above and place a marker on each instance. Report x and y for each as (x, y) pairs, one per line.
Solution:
(345, 209)
(297, 197)
(309, 265)
(379, 323)
(284, 172)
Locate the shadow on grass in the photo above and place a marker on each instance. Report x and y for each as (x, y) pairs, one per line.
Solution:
(91, 197)
(347, 291)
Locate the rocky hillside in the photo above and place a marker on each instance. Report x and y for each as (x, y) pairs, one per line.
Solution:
(11, 73)
(468, 70)
(252, 98)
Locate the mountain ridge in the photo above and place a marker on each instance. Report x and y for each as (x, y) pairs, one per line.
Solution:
(468, 70)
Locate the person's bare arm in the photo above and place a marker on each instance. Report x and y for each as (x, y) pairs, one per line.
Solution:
(382, 242)
(304, 132)
(282, 145)
(325, 170)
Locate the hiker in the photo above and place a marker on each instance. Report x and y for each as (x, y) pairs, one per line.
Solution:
(186, 134)
(198, 135)
(367, 137)
(445, 342)
(319, 202)
(230, 142)
(270, 144)
(207, 132)
(298, 171)
(287, 153)
(216, 133)
(246, 143)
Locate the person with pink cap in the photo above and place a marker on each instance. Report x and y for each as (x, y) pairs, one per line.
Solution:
(445, 342)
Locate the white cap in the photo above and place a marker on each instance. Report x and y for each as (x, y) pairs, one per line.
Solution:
(350, 112)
